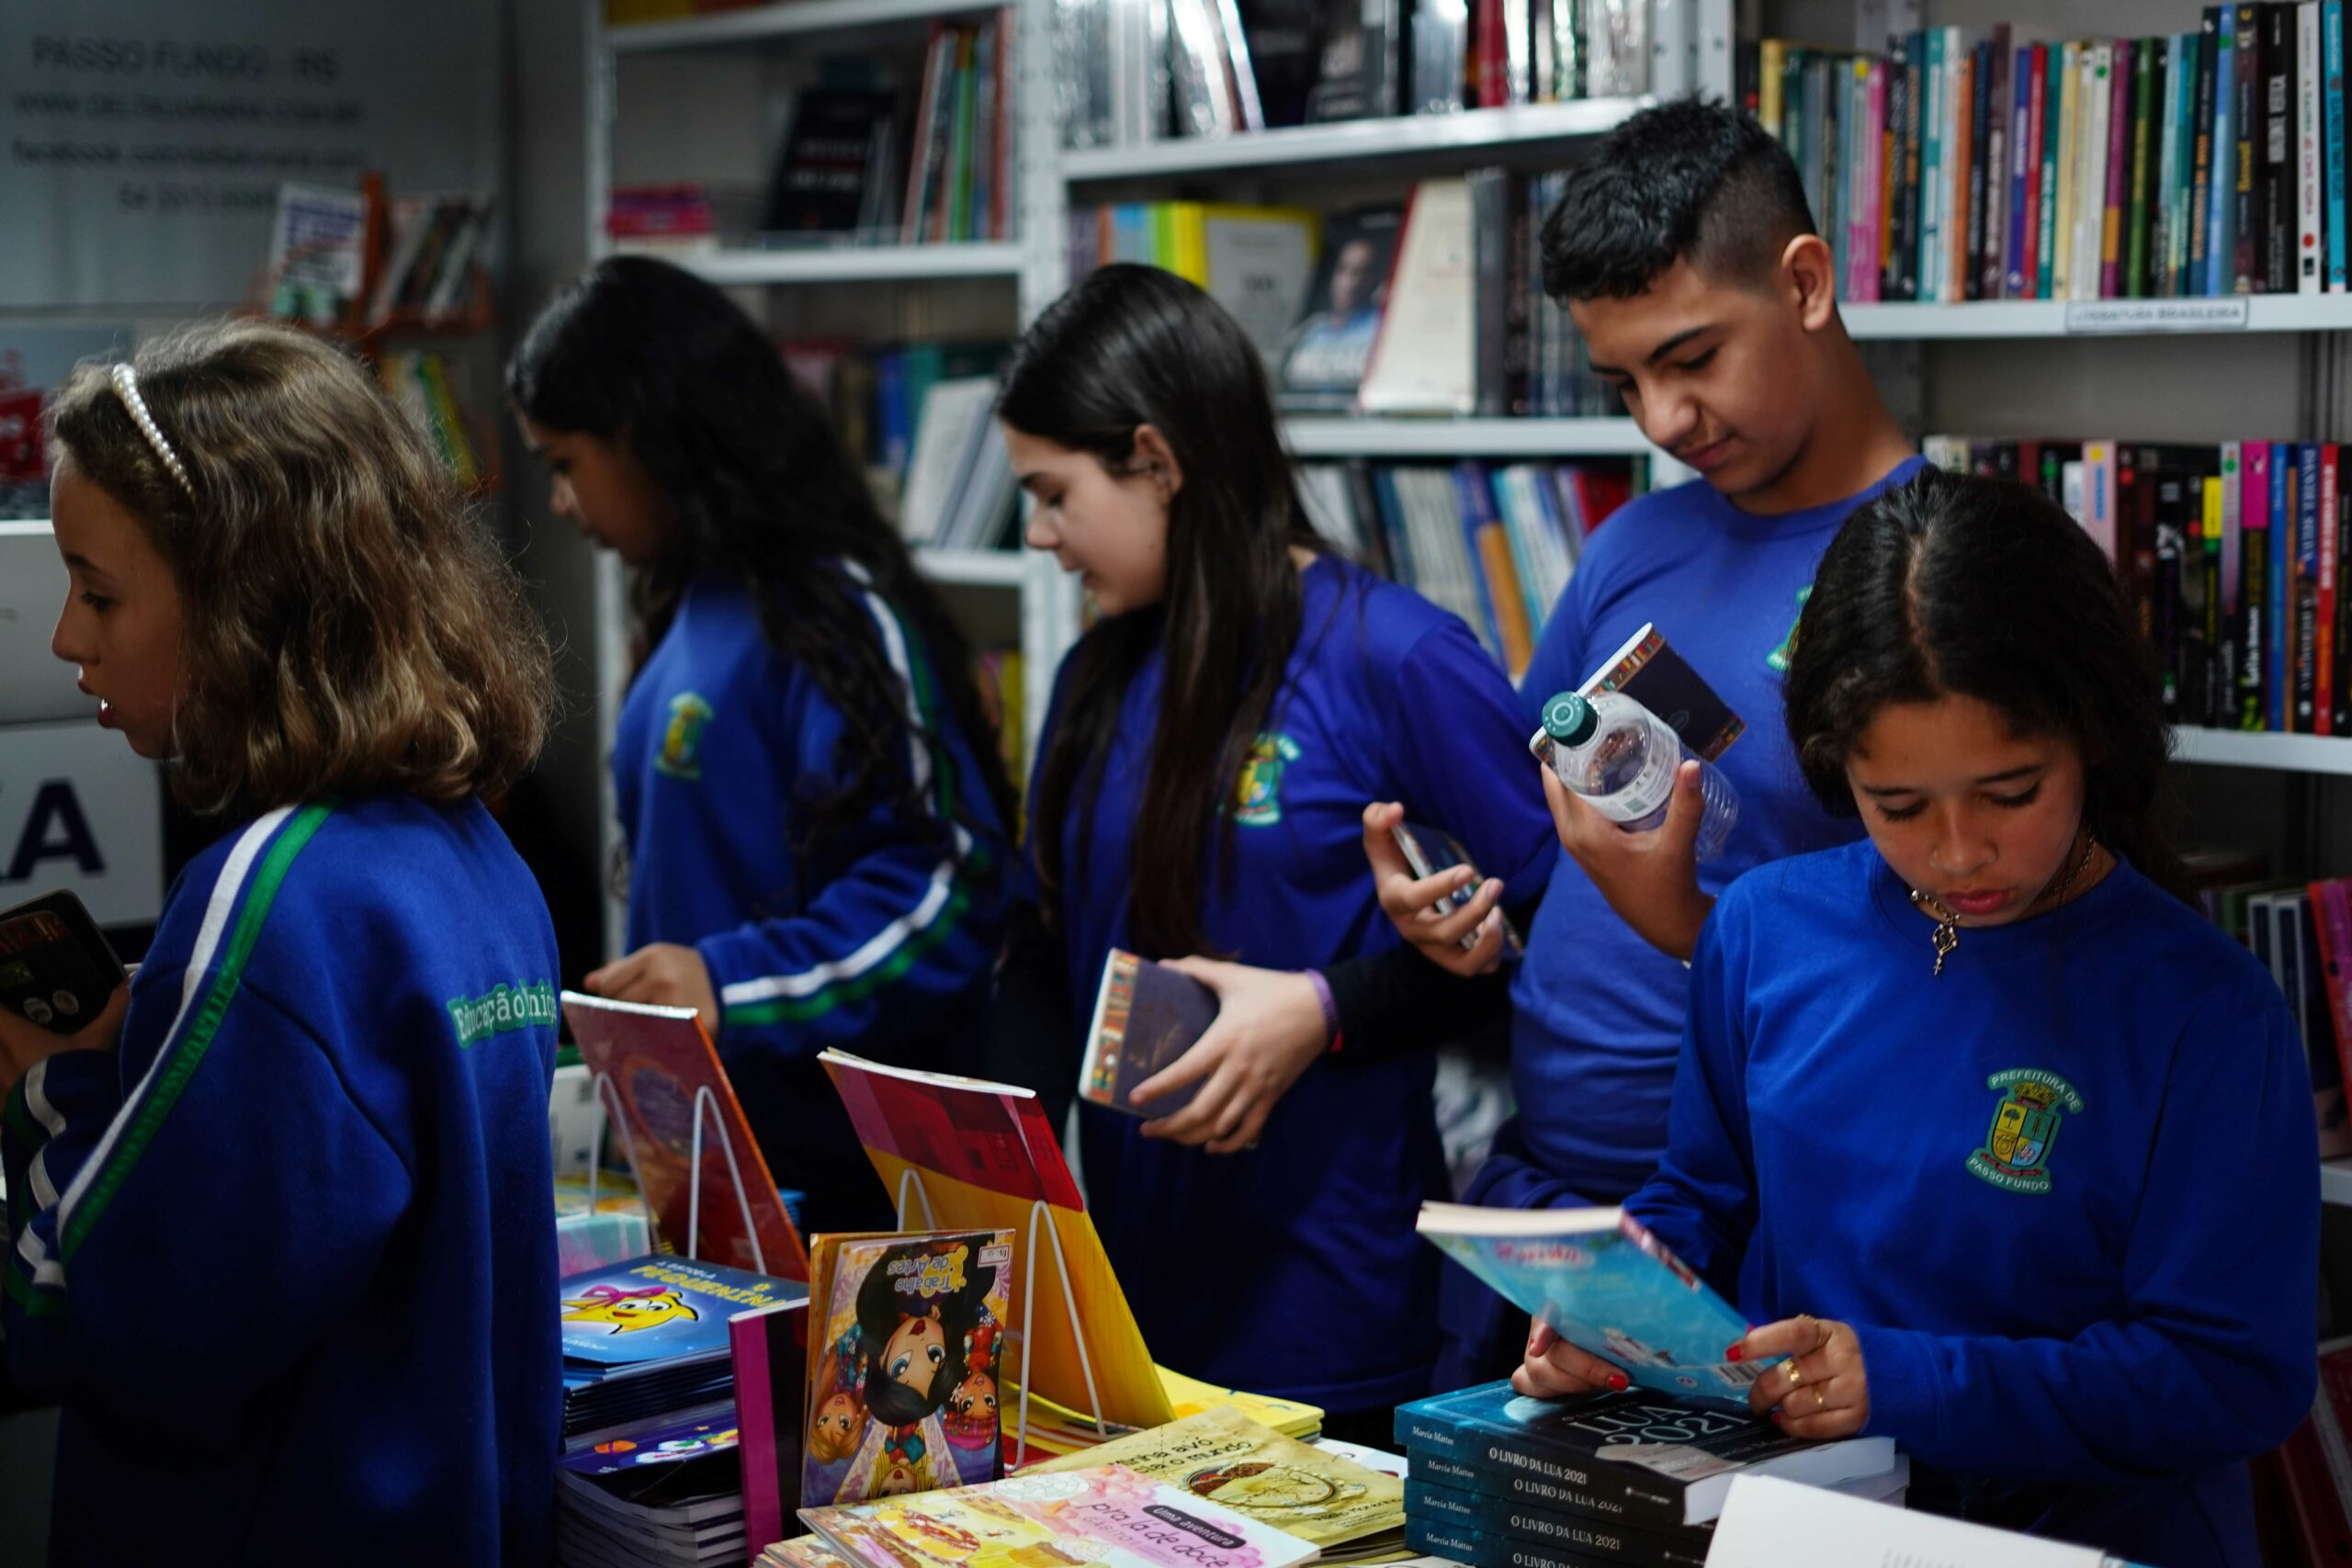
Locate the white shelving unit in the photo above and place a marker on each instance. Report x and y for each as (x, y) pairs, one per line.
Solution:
(2259, 748)
(784, 19)
(1471, 132)
(2101, 318)
(2335, 1181)
(1528, 438)
(858, 264)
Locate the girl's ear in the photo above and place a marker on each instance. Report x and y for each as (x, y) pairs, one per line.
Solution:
(1154, 457)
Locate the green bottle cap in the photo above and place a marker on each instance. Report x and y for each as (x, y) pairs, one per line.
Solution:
(1568, 718)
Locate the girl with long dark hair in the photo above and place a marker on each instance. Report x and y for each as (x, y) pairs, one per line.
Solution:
(1200, 797)
(814, 805)
(2008, 1150)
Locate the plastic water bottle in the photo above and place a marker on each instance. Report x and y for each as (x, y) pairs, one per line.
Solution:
(1622, 759)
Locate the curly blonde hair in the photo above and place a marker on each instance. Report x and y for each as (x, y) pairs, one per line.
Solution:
(349, 624)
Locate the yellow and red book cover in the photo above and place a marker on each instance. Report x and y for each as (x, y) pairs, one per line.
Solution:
(984, 1158)
(666, 1077)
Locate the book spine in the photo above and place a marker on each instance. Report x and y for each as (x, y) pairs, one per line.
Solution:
(1960, 160)
(2118, 171)
(2306, 600)
(2324, 623)
(1877, 163)
(2146, 64)
(2340, 720)
(1605, 1502)
(1910, 237)
(2274, 110)
(2331, 913)
(2244, 271)
(2041, 203)
(2310, 203)
(1475, 1521)
(2211, 697)
(2088, 190)
(1979, 172)
(2254, 571)
(2198, 275)
(1495, 1462)
(2231, 577)
(2279, 695)
(2162, 268)
(2220, 222)
(1933, 183)
(2332, 165)
(2066, 67)
(2016, 254)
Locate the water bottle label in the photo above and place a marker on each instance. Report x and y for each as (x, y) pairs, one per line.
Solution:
(1646, 793)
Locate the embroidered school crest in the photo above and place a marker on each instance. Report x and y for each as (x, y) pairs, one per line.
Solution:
(1259, 802)
(681, 753)
(2034, 1103)
(1779, 658)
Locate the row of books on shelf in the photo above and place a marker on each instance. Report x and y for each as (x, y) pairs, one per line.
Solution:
(1434, 307)
(1495, 546)
(418, 383)
(2197, 163)
(351, 258)
(2301, 931)
(920, 415)
(2229, 555)
(1136, 72)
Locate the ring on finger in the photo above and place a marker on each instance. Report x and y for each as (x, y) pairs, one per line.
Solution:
(1820, 1399)
(1796, 1375)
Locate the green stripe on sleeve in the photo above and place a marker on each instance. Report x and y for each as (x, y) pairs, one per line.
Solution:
(173, 1079)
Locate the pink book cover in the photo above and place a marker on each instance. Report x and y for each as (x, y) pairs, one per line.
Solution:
(768, 1345)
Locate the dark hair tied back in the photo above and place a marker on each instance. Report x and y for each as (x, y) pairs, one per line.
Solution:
(1956, 586)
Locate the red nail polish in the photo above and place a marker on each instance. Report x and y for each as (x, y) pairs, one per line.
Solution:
(1776, 1418)
(1619, 1382)
(1732, 1354)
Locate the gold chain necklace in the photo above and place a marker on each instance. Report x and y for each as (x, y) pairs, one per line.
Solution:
(1947, 934)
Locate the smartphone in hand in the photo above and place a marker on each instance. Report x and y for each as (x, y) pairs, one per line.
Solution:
(55, 968)
(1431, 850)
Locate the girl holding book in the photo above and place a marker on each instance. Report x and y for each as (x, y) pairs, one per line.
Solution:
(1199, 799)
(813, 801)
(280, 1218)
(2008, 1151)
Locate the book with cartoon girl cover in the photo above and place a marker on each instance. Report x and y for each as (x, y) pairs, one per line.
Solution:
(904, 1367)
(1108, 1516)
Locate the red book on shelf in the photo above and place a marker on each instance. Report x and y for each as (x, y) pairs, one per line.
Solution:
(2331, 918)
(2324, 639)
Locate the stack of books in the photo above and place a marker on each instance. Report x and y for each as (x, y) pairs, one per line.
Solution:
(649, 1385)
(1502, 1482)
(2192, 165)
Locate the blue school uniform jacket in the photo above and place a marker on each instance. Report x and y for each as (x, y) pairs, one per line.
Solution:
(879, 939)
(287, 1256)
(1294, 1270)
(2067, 1193)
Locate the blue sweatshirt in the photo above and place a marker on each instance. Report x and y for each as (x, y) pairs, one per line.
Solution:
(1294, 1270)
(1592, 1073)
(2067, 1193)
(287, 1257)
(876, 940)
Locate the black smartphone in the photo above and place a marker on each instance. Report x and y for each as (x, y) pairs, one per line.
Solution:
(1428, 850)
(55, 967)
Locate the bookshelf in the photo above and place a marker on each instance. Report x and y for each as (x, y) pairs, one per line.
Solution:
(858, 264)
(783, 20)
(2318, 754)
(1472, 131)
(2101, 318)
(1342, 436)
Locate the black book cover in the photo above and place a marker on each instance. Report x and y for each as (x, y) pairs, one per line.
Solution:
(2169, 662)
(2246, 129)
(1362, 56)
(820, 185)
(1459, 1509)
(1900, 86)
(1285, 42)
(2000, 115)
(2275, 245)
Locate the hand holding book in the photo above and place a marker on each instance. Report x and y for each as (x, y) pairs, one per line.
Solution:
(1269, 1029)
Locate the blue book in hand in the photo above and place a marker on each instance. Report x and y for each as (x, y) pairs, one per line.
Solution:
(1607, 1286)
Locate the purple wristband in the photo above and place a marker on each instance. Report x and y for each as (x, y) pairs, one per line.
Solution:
(1330, 1008)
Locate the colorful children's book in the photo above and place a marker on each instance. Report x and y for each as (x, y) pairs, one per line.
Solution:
(660, 1309)
(770, 1346)
(900, 1393)
(1223, 1456)
(663, 1442)
(1146, 1015)
(668, 1082)
(1107, 1516)
(967, 1154)
(1651, 1461)
(1610, 1288)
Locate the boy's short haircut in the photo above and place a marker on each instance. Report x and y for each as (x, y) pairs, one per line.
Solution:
(350, 623)
(1685, 180)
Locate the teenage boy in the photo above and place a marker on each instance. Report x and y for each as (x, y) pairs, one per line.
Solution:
(1685, 255)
